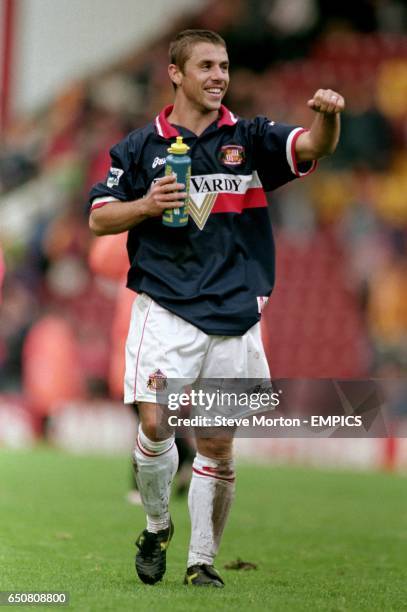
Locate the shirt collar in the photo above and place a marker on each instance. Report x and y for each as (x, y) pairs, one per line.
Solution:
(167, 130)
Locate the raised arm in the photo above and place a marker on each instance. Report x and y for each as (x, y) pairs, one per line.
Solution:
(323, 136)
(114, 217)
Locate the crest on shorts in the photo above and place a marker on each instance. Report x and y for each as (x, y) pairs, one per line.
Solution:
(232, 155)
(157, 381)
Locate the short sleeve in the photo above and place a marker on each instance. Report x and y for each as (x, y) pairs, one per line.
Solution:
(274, 153)
(119, 181)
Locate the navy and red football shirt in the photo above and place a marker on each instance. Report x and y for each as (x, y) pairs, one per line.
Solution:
(217, 271)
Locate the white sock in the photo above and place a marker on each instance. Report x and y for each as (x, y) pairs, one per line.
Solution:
(155, 464)
(210, 497)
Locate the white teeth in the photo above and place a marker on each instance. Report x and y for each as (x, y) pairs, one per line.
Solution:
(215, 91)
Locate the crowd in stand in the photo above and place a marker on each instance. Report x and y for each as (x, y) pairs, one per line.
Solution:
(62, 323)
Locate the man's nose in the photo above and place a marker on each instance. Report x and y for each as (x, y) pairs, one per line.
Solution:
(217, 74)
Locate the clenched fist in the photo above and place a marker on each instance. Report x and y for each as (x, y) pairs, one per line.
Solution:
(327, 101)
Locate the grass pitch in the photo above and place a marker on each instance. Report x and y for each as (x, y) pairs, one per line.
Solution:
(334, 541)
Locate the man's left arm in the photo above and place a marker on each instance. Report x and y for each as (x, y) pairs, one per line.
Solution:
(321, 139)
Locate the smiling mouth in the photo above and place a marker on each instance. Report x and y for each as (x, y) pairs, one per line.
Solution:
(214, 91)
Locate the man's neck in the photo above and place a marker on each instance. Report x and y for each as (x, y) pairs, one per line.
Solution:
(191, 118)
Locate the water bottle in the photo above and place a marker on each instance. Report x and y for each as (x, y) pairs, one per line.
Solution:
(178, 163)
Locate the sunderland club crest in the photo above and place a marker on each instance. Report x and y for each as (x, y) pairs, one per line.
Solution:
(157, 381)
(232, 155)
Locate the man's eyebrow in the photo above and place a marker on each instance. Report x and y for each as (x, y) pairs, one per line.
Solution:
(209, 61)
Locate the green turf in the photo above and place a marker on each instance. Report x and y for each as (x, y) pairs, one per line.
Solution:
(322, 540)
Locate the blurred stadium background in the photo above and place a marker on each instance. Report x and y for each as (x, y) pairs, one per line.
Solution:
(76, 76)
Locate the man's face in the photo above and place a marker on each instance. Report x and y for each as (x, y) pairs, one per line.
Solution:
(205, 77)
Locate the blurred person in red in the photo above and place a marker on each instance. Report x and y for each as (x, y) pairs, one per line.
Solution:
(201, 287)
(52, 372)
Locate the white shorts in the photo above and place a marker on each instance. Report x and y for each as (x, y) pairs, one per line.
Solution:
(162, 346)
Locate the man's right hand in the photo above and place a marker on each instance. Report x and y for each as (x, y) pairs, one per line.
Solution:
(164, 193)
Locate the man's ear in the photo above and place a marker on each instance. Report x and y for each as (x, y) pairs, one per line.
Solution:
(175, 74)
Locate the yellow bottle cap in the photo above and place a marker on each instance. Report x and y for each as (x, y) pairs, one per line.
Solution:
(179, 147)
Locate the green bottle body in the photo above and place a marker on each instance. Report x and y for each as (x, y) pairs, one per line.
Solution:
(180, 165)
